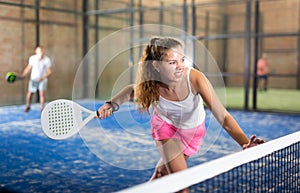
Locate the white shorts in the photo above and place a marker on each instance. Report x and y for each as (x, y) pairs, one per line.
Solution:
(33, 86)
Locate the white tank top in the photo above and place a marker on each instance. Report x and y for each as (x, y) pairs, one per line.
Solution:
(186, 114)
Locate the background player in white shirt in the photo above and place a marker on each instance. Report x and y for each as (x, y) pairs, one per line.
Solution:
(40, 67)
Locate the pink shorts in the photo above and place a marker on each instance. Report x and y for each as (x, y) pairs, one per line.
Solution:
(191, 139)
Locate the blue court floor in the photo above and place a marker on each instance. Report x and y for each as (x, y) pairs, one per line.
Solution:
(108, 155)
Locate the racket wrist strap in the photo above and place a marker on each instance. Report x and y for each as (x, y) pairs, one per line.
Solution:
(114, 106)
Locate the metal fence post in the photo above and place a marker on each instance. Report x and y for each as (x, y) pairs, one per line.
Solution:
(247, 54)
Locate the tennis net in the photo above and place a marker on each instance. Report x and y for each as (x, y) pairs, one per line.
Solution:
(270, 167)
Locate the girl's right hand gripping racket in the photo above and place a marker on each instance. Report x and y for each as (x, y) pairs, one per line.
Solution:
(63, 118)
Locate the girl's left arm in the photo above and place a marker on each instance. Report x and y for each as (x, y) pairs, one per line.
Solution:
(203, 87)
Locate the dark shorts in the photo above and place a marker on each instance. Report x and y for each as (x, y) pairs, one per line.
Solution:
(263, 76)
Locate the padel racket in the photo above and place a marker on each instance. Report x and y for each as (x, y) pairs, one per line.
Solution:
(11, 77)
(63, 118)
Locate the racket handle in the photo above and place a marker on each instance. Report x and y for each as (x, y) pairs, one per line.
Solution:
(98, 115)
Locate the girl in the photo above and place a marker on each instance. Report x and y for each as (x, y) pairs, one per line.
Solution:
(176, 93)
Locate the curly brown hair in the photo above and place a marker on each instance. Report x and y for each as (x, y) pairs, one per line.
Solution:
(148, 80)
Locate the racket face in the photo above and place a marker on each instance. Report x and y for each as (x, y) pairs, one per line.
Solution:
(11, 77)
(58, 119)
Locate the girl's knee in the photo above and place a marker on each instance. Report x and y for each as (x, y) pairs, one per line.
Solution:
(162, 171)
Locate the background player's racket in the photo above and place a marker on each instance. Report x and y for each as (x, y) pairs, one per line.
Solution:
(11, 77)
(63, 118)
